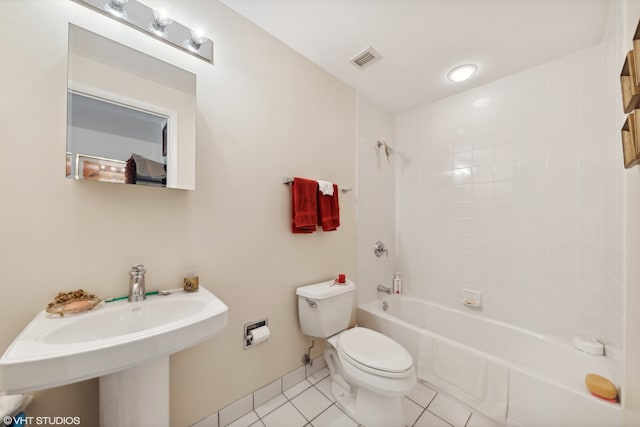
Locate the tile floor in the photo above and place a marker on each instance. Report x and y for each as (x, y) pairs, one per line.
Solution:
(309, 404)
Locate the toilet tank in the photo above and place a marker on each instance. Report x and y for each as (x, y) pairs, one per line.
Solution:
(324, 309)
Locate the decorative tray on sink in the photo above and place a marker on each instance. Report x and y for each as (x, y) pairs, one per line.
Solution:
(72, 302)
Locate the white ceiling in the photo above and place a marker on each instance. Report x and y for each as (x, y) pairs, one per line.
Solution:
(421, 40)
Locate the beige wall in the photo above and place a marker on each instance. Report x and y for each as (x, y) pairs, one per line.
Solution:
(264, 112)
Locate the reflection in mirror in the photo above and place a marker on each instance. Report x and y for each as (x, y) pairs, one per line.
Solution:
(130, 117)
(113, 131)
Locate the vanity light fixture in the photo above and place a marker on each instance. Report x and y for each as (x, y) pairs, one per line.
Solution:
(462, 72)
(155, 22)
(161, 19)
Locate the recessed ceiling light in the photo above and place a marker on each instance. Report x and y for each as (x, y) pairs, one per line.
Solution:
(462, 72)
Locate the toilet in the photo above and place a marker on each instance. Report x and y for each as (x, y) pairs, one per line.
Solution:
(370, 372)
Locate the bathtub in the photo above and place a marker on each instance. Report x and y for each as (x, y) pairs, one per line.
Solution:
(546, 376)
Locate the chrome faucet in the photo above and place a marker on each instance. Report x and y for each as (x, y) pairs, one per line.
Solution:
(136, 283)
(382, 288)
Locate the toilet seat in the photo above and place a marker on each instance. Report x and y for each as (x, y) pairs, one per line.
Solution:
(374, 353)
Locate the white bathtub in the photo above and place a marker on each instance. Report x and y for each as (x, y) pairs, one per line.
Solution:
(546, 378)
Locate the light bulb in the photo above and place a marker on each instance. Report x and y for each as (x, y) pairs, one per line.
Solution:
(161, 19)
(116, 8)
(196, 40)
(462, 72)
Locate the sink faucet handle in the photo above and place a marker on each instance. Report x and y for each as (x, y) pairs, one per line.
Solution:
(137, 270)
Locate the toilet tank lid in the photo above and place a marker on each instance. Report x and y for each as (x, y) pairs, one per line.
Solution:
(325, 289)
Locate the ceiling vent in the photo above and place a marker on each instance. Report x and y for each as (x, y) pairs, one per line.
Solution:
(365, 58)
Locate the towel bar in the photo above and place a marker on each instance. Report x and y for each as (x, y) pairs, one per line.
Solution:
(288, 180)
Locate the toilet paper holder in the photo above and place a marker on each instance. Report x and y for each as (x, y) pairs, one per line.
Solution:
(248, 336)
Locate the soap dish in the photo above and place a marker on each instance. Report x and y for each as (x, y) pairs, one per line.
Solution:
(588, 344)
(74, 305)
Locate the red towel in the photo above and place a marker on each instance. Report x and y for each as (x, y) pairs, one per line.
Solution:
(304, 210)
(329, 210)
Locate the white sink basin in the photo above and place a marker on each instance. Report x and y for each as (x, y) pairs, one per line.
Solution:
(53, 351)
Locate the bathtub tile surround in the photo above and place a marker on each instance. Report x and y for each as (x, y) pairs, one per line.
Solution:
(508, 189)
(307, 404)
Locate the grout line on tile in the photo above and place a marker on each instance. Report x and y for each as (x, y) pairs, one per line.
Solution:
(445, 421)
(328, 397)
(323, 411)
(421, 413)
(420, 404)
(300, 412)
(468, 418)
(277, 407)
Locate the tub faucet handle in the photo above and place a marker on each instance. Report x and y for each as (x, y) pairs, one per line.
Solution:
(379, 249)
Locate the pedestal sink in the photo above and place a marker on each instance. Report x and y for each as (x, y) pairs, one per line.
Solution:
(126, 344)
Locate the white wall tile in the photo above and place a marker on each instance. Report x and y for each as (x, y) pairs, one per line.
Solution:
(463, 159)
(293, 378)
(237, 409)
(483, 173)
(266, 393)
(541, 199)
(210, 421)
(317, 365)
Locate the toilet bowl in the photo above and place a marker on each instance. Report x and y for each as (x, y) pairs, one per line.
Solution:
(369, 373)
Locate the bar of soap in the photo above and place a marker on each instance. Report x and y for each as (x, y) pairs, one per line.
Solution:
(601, 387)
(78, 305)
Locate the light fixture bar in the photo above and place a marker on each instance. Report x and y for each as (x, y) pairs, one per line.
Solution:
(155, 24)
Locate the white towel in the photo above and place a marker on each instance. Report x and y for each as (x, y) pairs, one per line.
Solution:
(463, 368)
(12, 404)
(476, 378)
(326, 187)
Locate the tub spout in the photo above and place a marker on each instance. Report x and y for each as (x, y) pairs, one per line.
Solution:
(382, 288)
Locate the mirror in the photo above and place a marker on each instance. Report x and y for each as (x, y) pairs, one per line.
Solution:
(130, 117)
